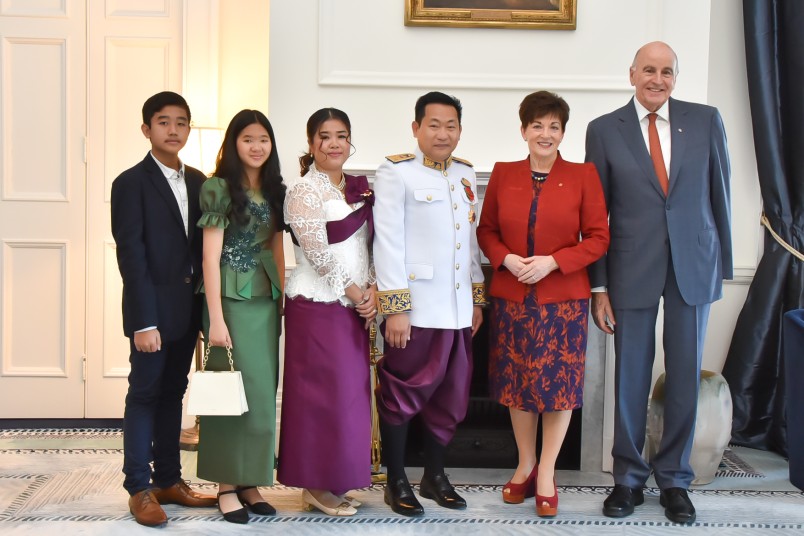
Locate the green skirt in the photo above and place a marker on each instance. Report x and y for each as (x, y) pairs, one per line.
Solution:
(240, 450)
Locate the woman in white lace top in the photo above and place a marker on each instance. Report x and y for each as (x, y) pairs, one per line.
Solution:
(325, 432)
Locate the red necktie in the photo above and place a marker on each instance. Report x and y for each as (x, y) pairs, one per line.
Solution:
(656, 153)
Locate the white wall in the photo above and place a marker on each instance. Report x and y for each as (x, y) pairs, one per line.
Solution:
(357, 55)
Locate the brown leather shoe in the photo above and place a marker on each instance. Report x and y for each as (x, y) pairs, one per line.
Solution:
(146, 510)
(181, 493)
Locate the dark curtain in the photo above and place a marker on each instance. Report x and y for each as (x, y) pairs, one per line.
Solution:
(754, 368)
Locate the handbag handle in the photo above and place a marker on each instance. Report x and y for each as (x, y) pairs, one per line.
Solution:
(206, 357)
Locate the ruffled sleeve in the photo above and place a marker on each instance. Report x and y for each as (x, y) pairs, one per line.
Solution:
(215, 204)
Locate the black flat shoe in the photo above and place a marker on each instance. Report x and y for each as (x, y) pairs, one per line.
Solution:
(261, 508)
(622, 500)
(399, 496)
(678, 507)
(439, 489)
(239, 516)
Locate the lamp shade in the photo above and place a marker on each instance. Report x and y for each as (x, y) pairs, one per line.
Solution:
(202, 148)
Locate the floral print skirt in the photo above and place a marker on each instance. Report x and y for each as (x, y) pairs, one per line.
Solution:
(537, 353)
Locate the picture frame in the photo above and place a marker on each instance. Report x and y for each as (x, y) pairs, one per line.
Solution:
(519, 14)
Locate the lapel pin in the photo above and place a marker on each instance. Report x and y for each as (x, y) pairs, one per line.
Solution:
(680, 130)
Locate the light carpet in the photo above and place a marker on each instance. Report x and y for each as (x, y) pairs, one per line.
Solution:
(78, 491)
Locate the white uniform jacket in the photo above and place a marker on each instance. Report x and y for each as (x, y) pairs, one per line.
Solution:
(425, 248)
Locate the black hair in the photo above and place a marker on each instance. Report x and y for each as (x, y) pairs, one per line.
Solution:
(159, 101)
(436, 97)
(541, 104)
(313, 124)
(229, 167)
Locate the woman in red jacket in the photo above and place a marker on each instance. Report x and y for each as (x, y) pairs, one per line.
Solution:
(543, 222)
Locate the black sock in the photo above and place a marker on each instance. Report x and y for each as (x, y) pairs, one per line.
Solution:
(434, 455)
(394, 440)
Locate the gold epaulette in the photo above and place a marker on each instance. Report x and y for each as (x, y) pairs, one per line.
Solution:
(462, 161)
(402, 157)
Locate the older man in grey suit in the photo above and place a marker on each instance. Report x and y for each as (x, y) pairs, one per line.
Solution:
(664, 166)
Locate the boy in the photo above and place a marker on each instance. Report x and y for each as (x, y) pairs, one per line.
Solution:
(154, 210)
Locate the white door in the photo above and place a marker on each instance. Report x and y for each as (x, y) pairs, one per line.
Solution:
(135, 51)
(42, 208)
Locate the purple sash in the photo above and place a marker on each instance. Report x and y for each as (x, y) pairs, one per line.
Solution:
(356, 190)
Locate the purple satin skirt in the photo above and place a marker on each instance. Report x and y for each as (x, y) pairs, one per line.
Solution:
(325, 433)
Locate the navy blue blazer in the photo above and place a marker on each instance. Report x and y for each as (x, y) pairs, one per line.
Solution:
(693, 221)
(159, 263)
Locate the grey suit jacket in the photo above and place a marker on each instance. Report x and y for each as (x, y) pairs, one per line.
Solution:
(693, 221)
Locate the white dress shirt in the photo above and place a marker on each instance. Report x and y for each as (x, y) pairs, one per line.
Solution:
(662, 127)
(177, 185)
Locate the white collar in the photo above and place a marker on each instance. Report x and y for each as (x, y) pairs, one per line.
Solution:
(642, 112)
(167, 171)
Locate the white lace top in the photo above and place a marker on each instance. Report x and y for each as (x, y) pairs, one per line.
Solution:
(324, 270)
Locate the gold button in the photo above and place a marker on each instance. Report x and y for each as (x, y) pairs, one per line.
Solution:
(457, 286)
(457, 225)
(455, 206)
(457, 266)
(412, 276)
(429, 197)
(458, 246)
(444, 172)
(452, 187)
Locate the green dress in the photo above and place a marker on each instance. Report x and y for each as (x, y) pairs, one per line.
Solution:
(240, 450)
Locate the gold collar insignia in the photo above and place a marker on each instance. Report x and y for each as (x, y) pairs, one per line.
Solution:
(438, 166)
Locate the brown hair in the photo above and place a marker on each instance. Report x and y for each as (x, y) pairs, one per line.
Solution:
(542, 104)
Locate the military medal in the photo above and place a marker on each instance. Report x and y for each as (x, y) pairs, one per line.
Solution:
(467, 189)
(470, 195)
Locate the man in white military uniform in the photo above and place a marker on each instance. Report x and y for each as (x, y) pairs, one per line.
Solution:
(430, 290)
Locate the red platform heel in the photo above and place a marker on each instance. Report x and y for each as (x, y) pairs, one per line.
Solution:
(551, 508)
(517, 493)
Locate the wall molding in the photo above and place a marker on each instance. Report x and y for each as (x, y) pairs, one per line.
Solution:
(329, 75)
(6, 326)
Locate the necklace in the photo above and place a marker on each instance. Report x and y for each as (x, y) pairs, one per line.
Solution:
(341, 185)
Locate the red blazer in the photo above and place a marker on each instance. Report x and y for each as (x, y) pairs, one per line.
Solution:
(571, 206)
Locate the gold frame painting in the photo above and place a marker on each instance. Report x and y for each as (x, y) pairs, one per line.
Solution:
(523, 14)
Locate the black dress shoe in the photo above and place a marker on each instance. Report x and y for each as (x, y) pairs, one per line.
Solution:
(621, 501)
(399, 496)
(239, 516)
(261, 508)
(439, 489)
(678, 507)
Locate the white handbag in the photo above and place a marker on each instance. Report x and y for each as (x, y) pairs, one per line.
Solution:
(215, 392)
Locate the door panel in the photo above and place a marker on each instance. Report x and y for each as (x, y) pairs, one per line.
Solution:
(42, 208)
(136, 51)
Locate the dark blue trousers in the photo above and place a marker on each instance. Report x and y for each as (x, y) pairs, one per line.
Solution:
(152, 418)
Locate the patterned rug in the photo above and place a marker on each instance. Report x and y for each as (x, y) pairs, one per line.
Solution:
(71, 491)
(730, 466)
